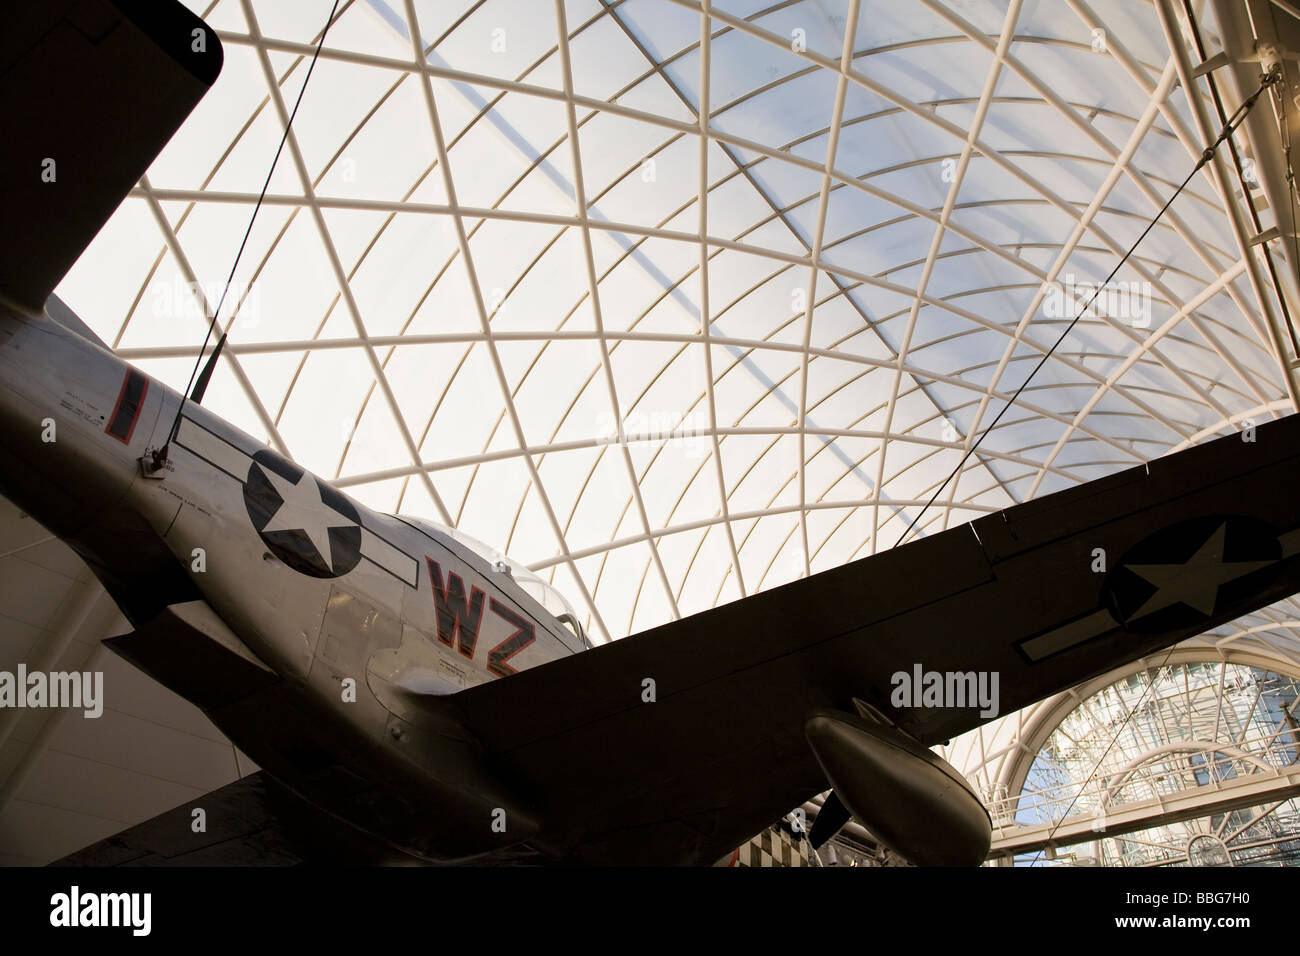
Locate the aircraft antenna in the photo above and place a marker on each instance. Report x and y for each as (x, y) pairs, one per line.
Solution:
(201, 386)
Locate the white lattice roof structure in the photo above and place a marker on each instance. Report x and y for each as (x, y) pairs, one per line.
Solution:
(795, 274)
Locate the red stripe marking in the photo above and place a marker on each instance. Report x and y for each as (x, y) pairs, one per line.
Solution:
(121, 397)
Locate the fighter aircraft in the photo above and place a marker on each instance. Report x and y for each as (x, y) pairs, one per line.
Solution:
(409, 694)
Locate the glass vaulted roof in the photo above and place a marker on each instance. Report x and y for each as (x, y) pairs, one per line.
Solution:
(673, 303)
(1166, 731)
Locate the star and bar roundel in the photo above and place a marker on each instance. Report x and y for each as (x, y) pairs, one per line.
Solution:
(308, 525)
(1191, 571)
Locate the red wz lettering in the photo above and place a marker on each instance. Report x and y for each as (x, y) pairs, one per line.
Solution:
(459, 616)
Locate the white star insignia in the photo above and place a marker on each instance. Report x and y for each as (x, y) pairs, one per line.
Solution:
(302, 509)
(1195, 582)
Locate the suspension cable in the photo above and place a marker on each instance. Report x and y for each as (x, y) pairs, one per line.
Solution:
(1241, 178)
(1105, 753)
(201, 386)
(1285, 126)
(1207, 154)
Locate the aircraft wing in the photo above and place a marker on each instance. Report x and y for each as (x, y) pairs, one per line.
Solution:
(1046, 595)
(252, 821)
(241, 827)
(90, 92)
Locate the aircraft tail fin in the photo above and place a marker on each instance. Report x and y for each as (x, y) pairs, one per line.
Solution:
(91, 91)
(59, 311)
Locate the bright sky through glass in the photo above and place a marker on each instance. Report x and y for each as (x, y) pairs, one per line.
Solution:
(796, 324)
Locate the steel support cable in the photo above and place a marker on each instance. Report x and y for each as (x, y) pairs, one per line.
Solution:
(1285, 126)
(1207, 154)
(1241, 179)
(201, 386)
(1104, 754)
(1229, 126)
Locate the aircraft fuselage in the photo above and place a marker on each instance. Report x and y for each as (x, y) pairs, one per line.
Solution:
(336, 634)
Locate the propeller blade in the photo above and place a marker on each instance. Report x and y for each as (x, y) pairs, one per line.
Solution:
(830, 820)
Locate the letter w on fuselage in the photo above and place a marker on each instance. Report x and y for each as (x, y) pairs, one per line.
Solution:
(458, 617)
